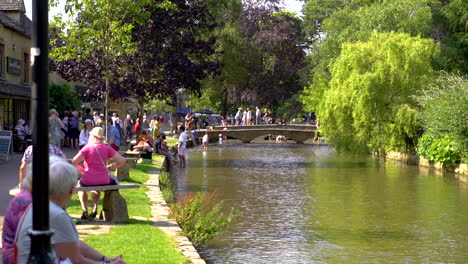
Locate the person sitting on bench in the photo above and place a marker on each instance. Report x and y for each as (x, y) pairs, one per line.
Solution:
(96, 171)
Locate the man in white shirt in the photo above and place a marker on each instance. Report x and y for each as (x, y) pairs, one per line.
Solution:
(182, 145)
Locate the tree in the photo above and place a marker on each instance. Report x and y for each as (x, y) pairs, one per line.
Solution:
(338, 22)
(174, 51)
(275, 55)
(63, 97)
(369, 105)
(444, 106)
(98, 33)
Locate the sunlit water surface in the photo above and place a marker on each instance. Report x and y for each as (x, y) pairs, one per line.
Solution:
(306, 204)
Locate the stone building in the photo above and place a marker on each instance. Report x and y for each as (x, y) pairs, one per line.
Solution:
(15, 70)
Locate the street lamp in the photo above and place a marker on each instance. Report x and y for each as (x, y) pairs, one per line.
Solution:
(40, 233)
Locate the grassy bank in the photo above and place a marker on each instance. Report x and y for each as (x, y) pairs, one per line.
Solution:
(137, 240)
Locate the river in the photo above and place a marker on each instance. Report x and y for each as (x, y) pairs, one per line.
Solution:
(307, 204)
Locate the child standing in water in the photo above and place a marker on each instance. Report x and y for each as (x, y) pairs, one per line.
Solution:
(220, 140)
(205, 141)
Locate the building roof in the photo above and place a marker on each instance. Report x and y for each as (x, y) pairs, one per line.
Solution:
(25, 29)
(14, 89)
(12, 5)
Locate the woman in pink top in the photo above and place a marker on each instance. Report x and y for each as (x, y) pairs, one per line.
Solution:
(95, 155)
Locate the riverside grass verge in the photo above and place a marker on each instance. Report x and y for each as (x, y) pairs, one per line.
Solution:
(137, 240)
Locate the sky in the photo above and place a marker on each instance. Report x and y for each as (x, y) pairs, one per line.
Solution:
(292, 5)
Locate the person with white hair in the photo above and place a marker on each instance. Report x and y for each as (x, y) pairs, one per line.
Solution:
(20, 131)
(55, 128)
(66, 245)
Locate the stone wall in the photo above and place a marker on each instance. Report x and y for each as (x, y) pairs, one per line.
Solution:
(412, 159)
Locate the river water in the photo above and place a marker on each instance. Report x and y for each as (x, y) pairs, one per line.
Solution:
(306, 204)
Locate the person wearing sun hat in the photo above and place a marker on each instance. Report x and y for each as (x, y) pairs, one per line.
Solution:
(84, 134)
(95, 156)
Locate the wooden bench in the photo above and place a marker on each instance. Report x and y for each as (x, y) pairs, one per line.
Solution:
(114, 206)
(131, 154)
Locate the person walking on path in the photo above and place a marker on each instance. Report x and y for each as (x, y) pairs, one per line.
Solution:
(182, 145)
(55, 128)
(113, 135)
(128, 128)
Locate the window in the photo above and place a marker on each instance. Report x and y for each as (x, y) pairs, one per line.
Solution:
(26, 68)
(2, 61)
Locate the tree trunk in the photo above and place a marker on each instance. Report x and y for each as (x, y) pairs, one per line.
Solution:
(224, 102)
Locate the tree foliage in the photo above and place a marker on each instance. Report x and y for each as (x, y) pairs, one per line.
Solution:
(369, 104)
(339, 22)
(275, 55)
(444, 108)
(63, 97)
(174, 50)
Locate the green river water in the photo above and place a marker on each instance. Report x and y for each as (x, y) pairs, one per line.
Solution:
(306, 204)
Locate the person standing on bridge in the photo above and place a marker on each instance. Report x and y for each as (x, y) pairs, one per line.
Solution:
(258, 115)
(238, 116)
(248, 117)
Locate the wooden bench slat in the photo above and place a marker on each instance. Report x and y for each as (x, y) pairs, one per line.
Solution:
(107, 187)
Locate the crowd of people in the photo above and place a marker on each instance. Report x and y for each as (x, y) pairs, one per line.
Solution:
(246, 117)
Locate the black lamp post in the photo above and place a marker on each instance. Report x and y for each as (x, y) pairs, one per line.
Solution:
(40, 233)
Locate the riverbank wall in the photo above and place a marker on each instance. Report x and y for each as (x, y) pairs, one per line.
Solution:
(413, 159)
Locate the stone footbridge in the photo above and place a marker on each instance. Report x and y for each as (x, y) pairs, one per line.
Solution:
(298, 133)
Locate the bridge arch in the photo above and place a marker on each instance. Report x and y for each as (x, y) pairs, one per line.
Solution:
(247, 135)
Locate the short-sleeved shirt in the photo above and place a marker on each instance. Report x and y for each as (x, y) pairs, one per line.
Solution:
(183, 139)
(60, 222)
(95, 172)
(205, 138)
(27, 156)
(114, 133)
(14, 212)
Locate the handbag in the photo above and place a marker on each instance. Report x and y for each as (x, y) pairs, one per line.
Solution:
(18, 228)
(113, 178)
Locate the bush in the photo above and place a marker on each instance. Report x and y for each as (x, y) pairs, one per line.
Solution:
(443, 149)
(166, 187)
(443, 112)
(201, 217)
(424, 144)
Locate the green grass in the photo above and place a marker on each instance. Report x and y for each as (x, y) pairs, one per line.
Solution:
(172, 141)
(138, 242)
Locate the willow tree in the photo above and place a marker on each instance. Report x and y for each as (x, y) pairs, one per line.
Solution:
(369, 104)
(99, 32)
(331, 23)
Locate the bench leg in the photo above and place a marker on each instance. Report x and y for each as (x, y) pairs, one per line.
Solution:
(123, 172)
(114, 207)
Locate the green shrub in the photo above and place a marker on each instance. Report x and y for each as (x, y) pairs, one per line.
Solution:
(424, 144)
(444, 150)
(439, 149)
(166, 187)
(201, 217)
